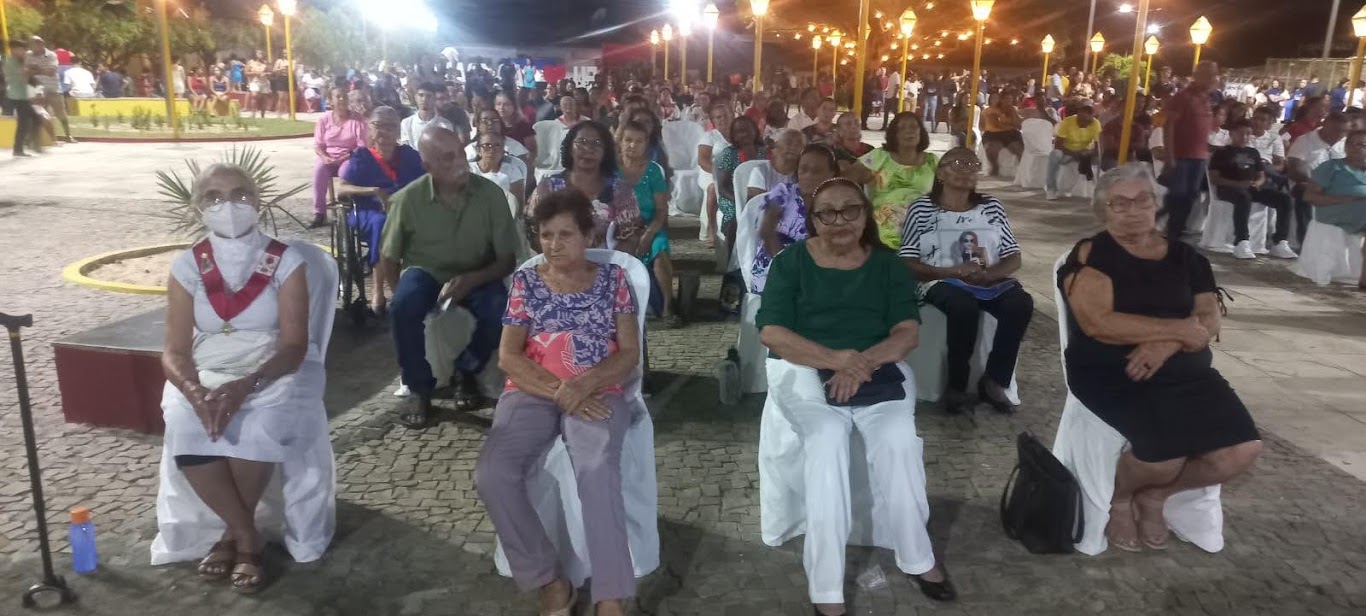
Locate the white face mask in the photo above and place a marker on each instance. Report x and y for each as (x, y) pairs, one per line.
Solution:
(231, 218)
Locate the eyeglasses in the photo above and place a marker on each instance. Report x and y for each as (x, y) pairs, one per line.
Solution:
(588, 145)
(847, 214)
(963, 164)
(489, 147)
(238, 197)
(1142, 202)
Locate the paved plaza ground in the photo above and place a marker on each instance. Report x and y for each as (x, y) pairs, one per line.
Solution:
(414, 538)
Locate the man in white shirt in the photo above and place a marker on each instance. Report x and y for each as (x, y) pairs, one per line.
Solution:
(1266, 141)
(1306, 154)
(42, 63)
(412, 127)
(807, 115)
(80, 83)
(787, 152)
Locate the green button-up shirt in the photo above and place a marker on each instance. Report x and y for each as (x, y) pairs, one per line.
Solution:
(449, 237)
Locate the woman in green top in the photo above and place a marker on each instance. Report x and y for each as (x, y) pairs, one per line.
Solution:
(898, 173)
(839, 313)
(652, 193)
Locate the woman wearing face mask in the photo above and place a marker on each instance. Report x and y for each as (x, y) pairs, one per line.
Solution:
(898, 173)
(244, 385)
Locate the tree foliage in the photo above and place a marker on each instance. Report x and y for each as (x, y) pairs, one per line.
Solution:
(114, 31)
(24, 21)
(340, 37)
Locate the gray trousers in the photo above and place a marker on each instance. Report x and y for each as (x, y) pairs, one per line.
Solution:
(524, 427)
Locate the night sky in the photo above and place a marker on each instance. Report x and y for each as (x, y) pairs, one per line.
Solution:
(1246, 32)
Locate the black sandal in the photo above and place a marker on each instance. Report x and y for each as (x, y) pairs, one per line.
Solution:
(223, 553)
(938, 591)
(249, 576)
(467, 396)
(417, 415)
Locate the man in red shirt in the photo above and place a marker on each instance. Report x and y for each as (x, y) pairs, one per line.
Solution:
(1189, 120)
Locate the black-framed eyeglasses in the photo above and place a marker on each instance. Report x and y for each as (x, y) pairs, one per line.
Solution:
(489, 147)
(847, 214)
(588, 145)
(1139, 203)
(963, 164)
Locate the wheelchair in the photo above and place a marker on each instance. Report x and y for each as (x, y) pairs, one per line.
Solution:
(348, 248)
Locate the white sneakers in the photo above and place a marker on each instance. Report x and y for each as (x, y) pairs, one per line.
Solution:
(1282, 250)
(1050, 195)
(1243, 250)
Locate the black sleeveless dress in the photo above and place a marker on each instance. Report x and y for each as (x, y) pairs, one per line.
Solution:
(1186, 408)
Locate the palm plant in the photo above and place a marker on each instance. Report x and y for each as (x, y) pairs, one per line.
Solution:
(187, 220)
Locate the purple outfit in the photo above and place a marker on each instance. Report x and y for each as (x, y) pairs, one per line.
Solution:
(568, 334)
(362, 169)
(791, 228)
(336, 138)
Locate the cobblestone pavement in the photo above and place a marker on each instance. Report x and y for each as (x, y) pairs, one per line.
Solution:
(414, 538)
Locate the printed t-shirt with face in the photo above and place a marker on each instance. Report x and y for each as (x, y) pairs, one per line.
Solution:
(940, 238)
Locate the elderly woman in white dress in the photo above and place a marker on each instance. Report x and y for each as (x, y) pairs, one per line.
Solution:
(494, 163)
(243, 381)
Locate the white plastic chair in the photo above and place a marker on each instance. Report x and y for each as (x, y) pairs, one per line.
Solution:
(686, 194)
(1217, 235)
(753, 372)
(1329, 254)
(299, 507)
(929, 361)
(553, 490)
(1090, 449)
(1032, 169)
(550, 136)
(740, 184)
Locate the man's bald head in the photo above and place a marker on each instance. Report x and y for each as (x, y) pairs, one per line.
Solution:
(443, 156)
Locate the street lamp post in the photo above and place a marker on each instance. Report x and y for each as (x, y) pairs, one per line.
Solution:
(1150, 48)
(287, 8)
(710, 16)
(1047, 47)
(834, 40)
(1358, 29)
(4, 24)
(1200, 32)
(815, 60)
(654, 52)
(168, 74)
(981, 10)
(267, 20)
(759, 8)
(1131, 98)
(684, 30)
(861, 55)
(1097, 46)
(668, 36)
(907, 26)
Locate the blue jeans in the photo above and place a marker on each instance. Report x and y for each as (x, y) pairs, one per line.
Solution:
(929, 109)
(414, 297)
(1184, 180)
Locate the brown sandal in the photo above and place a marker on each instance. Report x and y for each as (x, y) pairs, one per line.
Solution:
(249, 576)
(224, 554)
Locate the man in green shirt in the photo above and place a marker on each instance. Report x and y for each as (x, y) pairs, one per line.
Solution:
(17, 77)
(452, 235)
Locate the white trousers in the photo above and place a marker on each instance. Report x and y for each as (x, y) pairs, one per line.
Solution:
(895, 467)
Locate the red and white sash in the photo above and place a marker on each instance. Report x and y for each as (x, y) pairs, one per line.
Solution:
(228, 304)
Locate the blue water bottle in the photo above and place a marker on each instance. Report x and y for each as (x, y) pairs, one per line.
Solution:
(84, 558)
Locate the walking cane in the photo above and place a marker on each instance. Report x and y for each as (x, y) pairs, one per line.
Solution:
(51, 581)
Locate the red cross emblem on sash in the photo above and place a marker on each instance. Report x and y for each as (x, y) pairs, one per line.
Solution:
(228, 304)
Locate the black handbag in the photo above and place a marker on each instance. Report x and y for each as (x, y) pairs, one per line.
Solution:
(1041, 505)
(887, 384)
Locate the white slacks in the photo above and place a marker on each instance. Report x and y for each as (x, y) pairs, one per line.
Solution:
(895, 468)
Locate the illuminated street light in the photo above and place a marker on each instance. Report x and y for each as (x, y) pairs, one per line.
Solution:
(816, 59)
(1097, 45)
(287, 8)
(1126, 8)
(1154, 28)
(759, 8)
(267, 18)
(654, 51)
(1200, 32)
(834, 41)
(710, 16)
(907, 20)
(1047, 47)
(1358, 30)
(684, 31)
(1150, 48)
(981, 10)
(1131, 95)
(668, 36)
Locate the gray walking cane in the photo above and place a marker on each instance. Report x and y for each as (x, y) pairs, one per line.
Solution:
(52, 583)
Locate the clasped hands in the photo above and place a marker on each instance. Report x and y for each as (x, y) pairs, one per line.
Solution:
(973, 273)
(216, 407)
(1149, 357)
(856, 369)
(577, 399)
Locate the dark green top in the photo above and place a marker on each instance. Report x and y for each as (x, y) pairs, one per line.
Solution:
(446, 238)
(838, 309)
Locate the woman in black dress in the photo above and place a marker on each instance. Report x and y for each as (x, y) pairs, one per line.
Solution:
(1142, 313)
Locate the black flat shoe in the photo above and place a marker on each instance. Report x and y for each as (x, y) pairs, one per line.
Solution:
(1002, 406)
(416, 413)
(956, 402)
(939, 591)
(467, 396)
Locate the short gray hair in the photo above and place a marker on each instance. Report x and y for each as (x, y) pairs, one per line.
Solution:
(1128, 172)
(215, 170)
(384, 112)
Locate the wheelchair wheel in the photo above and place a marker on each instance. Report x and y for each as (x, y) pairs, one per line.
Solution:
(341, 251)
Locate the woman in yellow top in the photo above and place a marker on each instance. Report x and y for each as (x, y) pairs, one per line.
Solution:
(897, 173)
(1001, 130)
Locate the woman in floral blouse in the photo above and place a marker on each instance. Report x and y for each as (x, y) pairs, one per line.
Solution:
(570, 342)
(784, 221)
(590, 167)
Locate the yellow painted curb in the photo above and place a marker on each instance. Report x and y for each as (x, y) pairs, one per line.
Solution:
(77, 272)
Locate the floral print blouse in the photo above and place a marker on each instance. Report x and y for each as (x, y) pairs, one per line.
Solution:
(787, 198)
(569, 333)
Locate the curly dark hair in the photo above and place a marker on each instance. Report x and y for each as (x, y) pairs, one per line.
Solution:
(609, 165)
(758, 136)
(568, 201)
(893, 144)
(870, 237)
